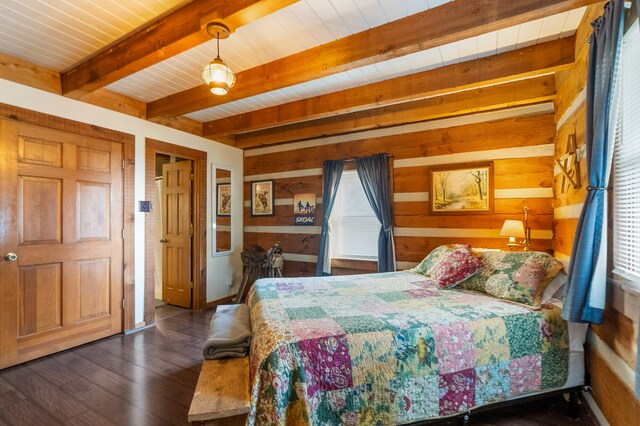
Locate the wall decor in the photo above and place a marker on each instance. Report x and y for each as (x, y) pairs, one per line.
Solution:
(304, 209)
(224, 199)
(262, 196)
(461, 189)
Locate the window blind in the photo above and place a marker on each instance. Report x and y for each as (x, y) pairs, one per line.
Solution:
(354, 226)
(626, 165)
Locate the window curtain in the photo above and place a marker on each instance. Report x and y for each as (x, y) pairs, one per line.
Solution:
(373, 172)
(331, 172)
(585, 292)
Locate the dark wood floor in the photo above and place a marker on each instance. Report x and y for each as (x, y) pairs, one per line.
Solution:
(148, 378)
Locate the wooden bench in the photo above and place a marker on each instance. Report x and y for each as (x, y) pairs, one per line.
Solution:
(222, 393)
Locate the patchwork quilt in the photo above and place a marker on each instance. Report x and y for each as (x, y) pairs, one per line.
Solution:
(393, 348)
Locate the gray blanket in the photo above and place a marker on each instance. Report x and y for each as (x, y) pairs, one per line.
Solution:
(229, 333)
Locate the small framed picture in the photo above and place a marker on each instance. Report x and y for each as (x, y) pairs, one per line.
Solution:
(460, 189)
(304, 209)
(262, 196)
(224, 199)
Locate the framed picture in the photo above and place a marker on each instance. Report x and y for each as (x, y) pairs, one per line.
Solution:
(223, 206)
(461, 189)
(262, 198)
(304, 209)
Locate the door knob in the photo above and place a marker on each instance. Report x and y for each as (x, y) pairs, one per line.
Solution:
(162, 240)
(10, 257)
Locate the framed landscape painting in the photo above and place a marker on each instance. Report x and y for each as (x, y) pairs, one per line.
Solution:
(262, 198)
(461, 189)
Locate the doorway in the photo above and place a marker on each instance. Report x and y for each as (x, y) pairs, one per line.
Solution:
(175, 228)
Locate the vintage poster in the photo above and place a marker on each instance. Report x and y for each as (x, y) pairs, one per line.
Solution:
(304, 209)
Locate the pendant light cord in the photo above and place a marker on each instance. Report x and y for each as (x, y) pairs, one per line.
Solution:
(218, 43)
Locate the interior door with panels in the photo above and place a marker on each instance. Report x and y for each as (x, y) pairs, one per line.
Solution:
(61, 227)
(177, 230)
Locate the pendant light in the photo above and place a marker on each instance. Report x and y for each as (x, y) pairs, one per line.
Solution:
(216, 74)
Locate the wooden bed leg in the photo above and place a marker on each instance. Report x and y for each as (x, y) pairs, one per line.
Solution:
(574, 408)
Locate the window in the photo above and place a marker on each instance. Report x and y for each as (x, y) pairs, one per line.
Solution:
(626, 165)
(354, 226)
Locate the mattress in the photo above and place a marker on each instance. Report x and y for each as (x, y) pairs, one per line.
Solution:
(394, 348)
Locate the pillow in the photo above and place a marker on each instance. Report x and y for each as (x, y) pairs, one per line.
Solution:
(434, 257)
(517, 276)
(455, 267)
(555, 288)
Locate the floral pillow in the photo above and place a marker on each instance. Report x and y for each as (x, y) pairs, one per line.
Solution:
(434, 257)
(517, 276)
(455, 267)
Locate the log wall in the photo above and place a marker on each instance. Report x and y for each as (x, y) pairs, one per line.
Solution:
(519, 142)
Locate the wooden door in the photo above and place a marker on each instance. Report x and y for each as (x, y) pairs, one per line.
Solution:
(61, 207)
(176, 234)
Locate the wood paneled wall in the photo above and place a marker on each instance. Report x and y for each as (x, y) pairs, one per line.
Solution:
(518, 141)
(620, 330)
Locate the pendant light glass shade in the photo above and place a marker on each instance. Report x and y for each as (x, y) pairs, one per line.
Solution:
(218, 77)
(216, 74)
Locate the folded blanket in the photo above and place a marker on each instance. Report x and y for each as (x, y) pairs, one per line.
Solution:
(229, 333)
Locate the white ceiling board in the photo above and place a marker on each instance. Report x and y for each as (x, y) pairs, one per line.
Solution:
(490, 43)
(57, 34)
(262, 41)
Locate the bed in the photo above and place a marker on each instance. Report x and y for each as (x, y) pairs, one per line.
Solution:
(399, 347)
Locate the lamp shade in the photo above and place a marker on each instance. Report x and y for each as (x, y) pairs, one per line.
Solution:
(218, 76)
(512, 228)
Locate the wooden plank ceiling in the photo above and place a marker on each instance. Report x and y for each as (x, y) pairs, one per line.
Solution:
(304, 68)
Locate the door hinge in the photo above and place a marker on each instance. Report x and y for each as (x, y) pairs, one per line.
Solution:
(122, 303)
(191, 176)
(123, 233)
(191, 229)
(191, 284)
(123, 164)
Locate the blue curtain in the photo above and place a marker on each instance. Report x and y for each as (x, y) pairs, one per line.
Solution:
(331, 172)
(373, 172)
(585, 292)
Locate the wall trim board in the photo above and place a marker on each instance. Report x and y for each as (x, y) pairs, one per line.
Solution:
(310, 258)
(484, 117)
(282, 202)
(536, 234)
(617, 365)
(595, 409)
(409, 197)
(568, 212)
(565, 259)
(294, 257)
(546, 150)
(406, 197)
(284, 175)
(402, 265)
(524, 193)
(582, 97)
(315, 230)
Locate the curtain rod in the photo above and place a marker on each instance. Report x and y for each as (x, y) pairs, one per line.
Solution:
(350, 160)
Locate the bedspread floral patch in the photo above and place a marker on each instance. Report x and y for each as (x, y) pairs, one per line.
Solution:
(395, 349)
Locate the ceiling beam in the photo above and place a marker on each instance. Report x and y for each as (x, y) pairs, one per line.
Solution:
(448, 23)
(516, 93)
(170, 35)
(526, 62)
